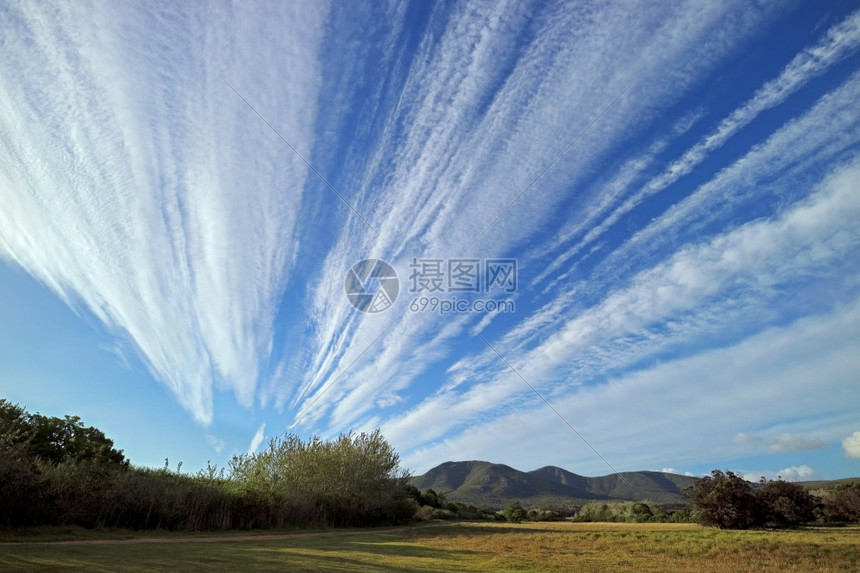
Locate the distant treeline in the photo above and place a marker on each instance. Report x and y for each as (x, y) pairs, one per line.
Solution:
(722, 500)
(56, 471)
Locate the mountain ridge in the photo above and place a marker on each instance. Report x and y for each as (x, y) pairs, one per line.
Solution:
(492, 485)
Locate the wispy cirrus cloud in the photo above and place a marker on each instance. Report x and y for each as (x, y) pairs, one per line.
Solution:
(460, 144)
(123, 151)
(839, 42)
(258, 438)
(755, 258)
(781, 443)
(674, 411)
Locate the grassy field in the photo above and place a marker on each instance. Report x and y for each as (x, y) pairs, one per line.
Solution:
(461, 547)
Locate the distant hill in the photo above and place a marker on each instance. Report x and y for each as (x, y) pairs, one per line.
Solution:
(824, 486)
(491, 485)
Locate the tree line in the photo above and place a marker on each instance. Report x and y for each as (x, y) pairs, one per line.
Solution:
(728, 501)
(57, 471)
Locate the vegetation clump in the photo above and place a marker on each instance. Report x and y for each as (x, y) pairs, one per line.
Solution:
(56, 471)
(728, 501)
(631, 512)
(433, 506)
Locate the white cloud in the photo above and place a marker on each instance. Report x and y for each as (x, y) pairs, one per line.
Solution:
(840, 41)
(449, 161)
(815, 234)
(795, 443)
(791, 473)
(851, 445)
(140, 189)
(388, 400)
(789, 154)
(258, 438)
(678, 409)
(744, 439)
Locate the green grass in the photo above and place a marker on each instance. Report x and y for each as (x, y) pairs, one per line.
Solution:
(55, 533)
(465, 547)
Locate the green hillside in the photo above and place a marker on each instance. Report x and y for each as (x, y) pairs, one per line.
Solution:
(492, 485)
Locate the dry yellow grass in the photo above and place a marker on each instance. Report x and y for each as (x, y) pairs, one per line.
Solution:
(464, 547)
(563, 546)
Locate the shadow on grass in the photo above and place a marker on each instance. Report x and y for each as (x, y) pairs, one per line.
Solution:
(354, 553)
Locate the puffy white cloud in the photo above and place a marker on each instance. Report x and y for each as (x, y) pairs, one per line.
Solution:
(851, 445)
(791, 473)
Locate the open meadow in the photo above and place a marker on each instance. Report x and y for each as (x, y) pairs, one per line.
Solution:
(461, 547)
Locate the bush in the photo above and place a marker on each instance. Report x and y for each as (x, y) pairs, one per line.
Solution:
(431, 498)
(353, 480)
(843, 504)
(514, 512)
(627, 512)
(536, 514)
(782, 504)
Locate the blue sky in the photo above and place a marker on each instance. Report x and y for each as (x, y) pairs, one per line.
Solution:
(679, 184)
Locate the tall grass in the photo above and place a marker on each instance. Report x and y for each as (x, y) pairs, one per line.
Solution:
(360, 485)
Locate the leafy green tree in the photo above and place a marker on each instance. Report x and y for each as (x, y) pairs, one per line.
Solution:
(431, 498)
(14, 428)
(514, 512)
(66, 439)
(641, 512)
(414, 493)
(723, 500)
(783, 504)
(727, 501)
(55, 440)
